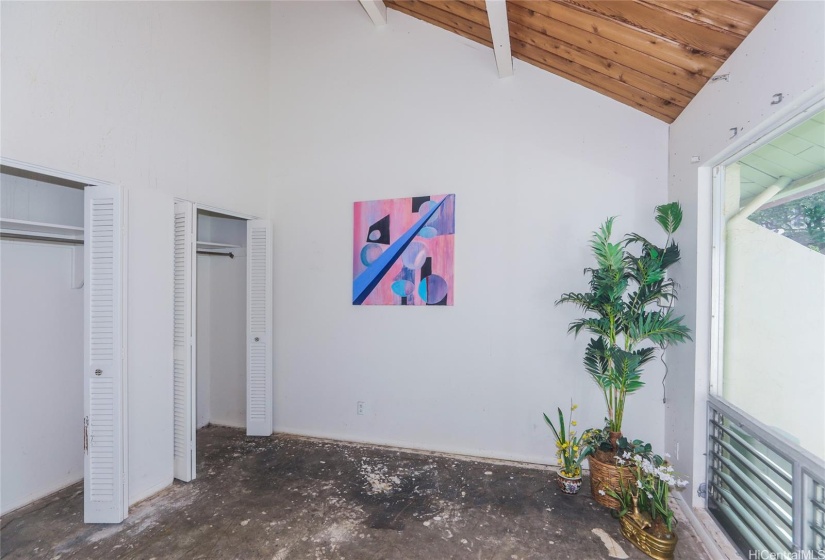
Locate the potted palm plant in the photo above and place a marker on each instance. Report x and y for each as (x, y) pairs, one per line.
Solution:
(629, 313)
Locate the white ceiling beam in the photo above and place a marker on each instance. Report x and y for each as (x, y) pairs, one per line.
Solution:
(500, 29)
(376, 9)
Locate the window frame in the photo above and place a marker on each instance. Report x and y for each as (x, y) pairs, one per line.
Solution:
(774, 127)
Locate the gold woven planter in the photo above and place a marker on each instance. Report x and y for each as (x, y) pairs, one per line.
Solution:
(606, 476)
(660, 549)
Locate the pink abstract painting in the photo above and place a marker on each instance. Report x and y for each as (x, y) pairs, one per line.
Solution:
(402, 251)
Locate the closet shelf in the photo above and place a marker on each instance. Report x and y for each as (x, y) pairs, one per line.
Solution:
(40, 229)
(210, 245)
(217, 247)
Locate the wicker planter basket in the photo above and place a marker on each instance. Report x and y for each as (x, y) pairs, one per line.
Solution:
(607, 476)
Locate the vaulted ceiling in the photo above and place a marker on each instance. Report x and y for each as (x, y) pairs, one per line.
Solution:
(653, 55)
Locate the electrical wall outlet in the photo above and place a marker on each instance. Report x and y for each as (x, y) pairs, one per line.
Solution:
(359, 408)
(664, 302)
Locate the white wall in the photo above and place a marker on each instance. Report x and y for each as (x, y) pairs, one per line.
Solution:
(163, 95)
(41, 413)
(221, 329)
(41, 333)
(784, 54)
(203, 363)
(774, 332)
(228, 341)
(32, 200)
(221, 367)
(150, 323)
(536, 163)
(170, 95)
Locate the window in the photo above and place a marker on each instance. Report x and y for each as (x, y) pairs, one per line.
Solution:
(766, 450)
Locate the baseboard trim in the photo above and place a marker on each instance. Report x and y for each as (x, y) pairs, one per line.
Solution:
(31, 498)
(149, 492)
(463, 455)
(226, 425)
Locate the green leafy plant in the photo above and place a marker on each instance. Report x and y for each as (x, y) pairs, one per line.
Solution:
(596, 439)
(626, 448)
(570, 451)
(621, 303)
(654, 480)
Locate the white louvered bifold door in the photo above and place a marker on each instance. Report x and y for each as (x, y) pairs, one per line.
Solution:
(184, 357)
(259, 328)
(104, 485)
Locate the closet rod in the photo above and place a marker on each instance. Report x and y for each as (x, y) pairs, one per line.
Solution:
(216, 253)
(21, 236)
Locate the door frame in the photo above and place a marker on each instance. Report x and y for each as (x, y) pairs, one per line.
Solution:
(196, 207)
(88, 181)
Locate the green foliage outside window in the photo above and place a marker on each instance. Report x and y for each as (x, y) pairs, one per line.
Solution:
(802, 220)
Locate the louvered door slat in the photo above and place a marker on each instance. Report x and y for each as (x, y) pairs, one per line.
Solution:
(183, 366)
(259, 329)
(104, 465)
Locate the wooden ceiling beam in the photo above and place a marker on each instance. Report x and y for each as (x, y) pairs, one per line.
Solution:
(682, 81)
(500, 31)
(602, 65)
(692, 35)
(694, 68)
(376, 9)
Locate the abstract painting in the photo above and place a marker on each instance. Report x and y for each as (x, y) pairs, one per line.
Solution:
(402, 251)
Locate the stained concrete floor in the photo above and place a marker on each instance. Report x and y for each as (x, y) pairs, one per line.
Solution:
(286, 497)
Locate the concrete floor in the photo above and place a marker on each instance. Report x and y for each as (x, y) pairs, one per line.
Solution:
(287, 497)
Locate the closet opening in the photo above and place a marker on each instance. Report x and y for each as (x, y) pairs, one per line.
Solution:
(223, 332)
(41, 264)
(220, 308)
(61, 286)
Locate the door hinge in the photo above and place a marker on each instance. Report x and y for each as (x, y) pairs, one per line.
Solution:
(85, 434)
(702, 491)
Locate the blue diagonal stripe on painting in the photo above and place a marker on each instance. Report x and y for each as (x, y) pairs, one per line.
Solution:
(369, 279)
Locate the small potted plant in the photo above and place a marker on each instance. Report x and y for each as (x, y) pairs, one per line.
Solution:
(645, 515)
(570, 452)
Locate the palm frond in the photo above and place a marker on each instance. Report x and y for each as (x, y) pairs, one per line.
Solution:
(669, 216)
(585, 301)
(608, 255)
(646, 295)
(645, 354)
(597, 362)
(596, 325)
(627, 370)
(670, 255)
(659, 328)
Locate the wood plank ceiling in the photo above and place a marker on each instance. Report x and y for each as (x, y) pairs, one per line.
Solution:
(653, 55)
